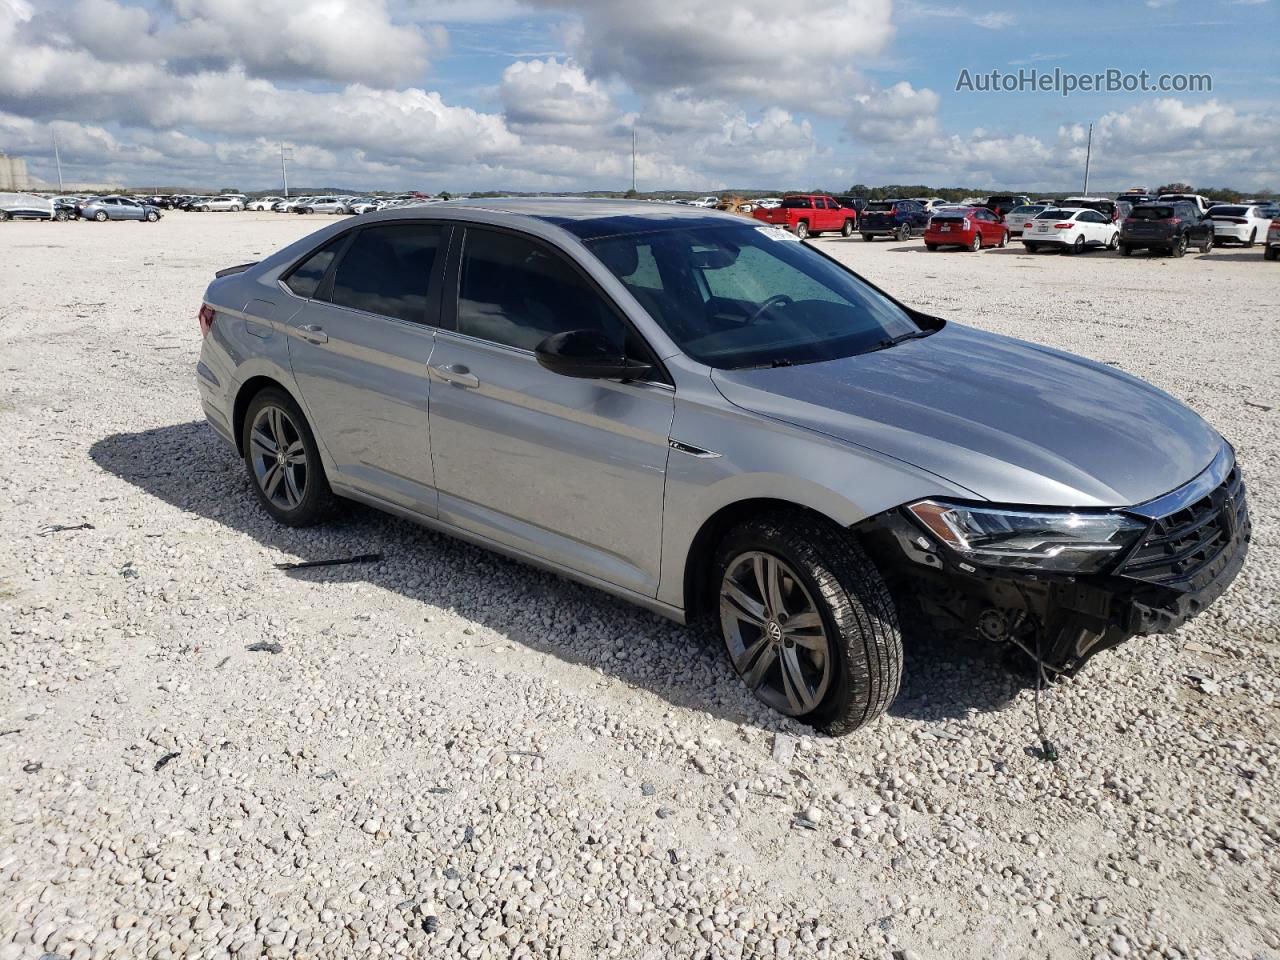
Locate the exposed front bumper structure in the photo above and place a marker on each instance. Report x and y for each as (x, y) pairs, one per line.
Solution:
(1196, 541)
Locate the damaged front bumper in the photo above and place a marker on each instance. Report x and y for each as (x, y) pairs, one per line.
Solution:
(1195, 542)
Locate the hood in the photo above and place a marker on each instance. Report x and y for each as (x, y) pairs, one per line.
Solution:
(1011, 421)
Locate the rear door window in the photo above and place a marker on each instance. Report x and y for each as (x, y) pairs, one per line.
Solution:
(305, 279)
(387, 271)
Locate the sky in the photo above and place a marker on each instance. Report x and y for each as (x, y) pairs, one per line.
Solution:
(544, 95)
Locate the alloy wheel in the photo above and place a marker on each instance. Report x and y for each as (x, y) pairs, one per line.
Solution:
(279, 457)
(775, 634)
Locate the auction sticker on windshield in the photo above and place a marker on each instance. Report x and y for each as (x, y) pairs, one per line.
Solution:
(777, 233)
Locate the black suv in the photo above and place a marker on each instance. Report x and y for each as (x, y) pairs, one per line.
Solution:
(899, 219)
(1168, 227)
(856, 204)
(1001, 204)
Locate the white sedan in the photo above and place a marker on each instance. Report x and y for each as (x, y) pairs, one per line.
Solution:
(1243, 224)
(263, 203)
(1019, 217)
(1070, 230)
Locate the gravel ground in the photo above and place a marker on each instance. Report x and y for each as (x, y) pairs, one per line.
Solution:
(450, 754)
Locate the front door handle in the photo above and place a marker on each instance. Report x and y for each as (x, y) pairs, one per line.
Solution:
(456, 373)
(314, 334)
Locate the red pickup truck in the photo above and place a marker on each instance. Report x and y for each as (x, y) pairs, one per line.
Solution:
(810, 215)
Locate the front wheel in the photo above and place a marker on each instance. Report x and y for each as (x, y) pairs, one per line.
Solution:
(60, 216)
(802, 230)
(4, 215)
(904, 232)
(101, 216)
(847, 229)
(152, 216)
(868, 237)
(807, 621)
(283, 461)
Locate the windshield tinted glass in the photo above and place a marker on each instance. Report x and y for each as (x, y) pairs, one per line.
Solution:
(1056, 215)
(794, 203)
(1151, 213)
(1228, 211)
(744, 296)
(879, 205)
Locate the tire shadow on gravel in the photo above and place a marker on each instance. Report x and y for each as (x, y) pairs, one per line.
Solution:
(188, 467)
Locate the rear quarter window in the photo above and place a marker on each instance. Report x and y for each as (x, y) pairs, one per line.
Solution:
(305, 278)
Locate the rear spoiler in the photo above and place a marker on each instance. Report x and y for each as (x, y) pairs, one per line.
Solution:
(238, 268)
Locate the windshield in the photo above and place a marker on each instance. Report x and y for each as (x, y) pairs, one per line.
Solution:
(879, 205)
(733, 297)
(1057, 215)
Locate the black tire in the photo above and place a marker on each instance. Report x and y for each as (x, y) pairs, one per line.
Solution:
(1253, 237)
(868, 237)
(1077, 246)
(1271, 253)
(152, 216)
(1179, 247)
(931, 246)
(317, 499)
(4, 215)
(864, 642)
(60, 216)
(904, 232)
(1206, 246)
(976, 244)
(1004, 240)
(847, 229)
(101, 216)
(802, 230)
(1113, 241)
(1126, 250)
(1031, 247)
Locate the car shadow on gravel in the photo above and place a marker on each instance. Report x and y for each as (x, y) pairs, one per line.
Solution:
(188, 467)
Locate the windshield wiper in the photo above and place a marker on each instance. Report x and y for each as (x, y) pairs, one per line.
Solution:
(894, 341)
(772, 364)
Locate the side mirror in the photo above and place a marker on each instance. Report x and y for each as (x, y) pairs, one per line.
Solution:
(587, 355)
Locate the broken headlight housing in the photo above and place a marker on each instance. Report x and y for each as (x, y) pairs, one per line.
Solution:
(1050, 540)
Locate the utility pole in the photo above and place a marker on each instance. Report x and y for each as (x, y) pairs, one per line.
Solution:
(1088, 153)
(284, 171)
(633, 158)
(57, 160)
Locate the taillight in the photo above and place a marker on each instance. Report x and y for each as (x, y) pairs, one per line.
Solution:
(1063, 226)
(206, 317)
(893, 211)
(1026, 226)
(966, 224)
(1236, 220)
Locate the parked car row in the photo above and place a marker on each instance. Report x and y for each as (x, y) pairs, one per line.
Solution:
(27, 206)
(1170, 223)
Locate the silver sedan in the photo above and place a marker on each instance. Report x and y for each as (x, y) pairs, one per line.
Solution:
(713, 419)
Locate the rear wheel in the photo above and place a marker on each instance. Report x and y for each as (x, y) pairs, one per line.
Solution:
(283, 461)
(1206, 245)
(1126, 250)
(1179, 247)
(931, 246)
(904, 232)
(1004, 239)
(976, 244)
(807, 621)
(1253, 236)
(60, 215)
(1271, 253)
(868, 237)
(802, 230)
(4, 215)
(847, 229)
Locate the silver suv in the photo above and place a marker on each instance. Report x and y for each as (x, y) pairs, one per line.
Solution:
(707, 416)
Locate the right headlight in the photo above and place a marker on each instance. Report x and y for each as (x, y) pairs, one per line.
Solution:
(1051, 540)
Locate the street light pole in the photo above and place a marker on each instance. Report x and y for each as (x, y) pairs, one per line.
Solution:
(57, 160)
(284, 171)
(1088, 154)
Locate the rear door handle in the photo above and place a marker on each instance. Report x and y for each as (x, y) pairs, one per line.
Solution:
(456, 373)
(314, 334)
